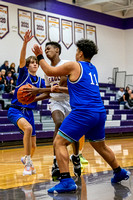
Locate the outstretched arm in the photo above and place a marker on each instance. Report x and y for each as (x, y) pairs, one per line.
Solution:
(62, 70)
(35, 90)
(27, 38)
(42, 97)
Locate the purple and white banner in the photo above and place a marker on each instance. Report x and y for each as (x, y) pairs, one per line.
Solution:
(67, 33)
(4, 24)
(40, 27)
(24, 22)
(79, 31)
(91, 33)
(53, 29)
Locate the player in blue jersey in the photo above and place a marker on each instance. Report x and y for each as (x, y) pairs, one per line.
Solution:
(22, 115)
(88, 114)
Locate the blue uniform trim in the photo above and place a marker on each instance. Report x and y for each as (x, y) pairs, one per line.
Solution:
(65, 136)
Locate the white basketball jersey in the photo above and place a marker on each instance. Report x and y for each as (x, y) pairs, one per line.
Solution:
(55, 80)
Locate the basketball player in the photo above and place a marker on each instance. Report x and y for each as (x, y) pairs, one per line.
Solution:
(59, 104)
(22, 115)
(88, 114)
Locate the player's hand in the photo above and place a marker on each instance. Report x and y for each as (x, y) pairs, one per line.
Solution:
(37, 50)
(55, 88)
(31, 91)
(28, 36)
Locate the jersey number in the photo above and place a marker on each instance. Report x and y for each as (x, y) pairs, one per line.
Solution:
(93, 79)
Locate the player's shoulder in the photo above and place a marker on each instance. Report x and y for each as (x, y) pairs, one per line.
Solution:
(63, 61)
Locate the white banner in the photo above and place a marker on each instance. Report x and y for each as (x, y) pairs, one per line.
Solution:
(79, 31)
(53, 29)
(40, 27)
(67, 33)
(91, 33)
(24, 22)
(4, 26)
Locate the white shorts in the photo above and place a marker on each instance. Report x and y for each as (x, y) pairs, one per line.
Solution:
(63, 106)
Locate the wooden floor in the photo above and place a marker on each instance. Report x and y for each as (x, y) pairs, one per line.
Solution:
(11, 168)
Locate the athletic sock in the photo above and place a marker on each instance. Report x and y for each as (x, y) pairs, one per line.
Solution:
(65, 175)
(116, 170)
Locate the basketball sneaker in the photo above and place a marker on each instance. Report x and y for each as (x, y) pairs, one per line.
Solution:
(65, 185)
(76, 165)
(55, 173)
(27, 169)
(23, 160)
(82, 159)
(119, 176)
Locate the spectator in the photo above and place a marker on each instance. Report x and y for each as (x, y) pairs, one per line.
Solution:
(129, 103)
(126, 95)
(9, 79)
(5, 66)
(14, 74)
(119, 95)
(2, 85)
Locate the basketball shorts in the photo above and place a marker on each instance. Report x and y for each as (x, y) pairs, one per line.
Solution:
(62, 106)
(79, 123)
(14, 114)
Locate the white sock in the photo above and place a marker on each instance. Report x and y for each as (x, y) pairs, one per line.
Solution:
(28, 159)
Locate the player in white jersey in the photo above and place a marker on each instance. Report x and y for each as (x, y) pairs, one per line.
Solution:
(59, 104)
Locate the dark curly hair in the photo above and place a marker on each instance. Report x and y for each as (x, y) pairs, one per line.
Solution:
(55, 44)
(88, 48)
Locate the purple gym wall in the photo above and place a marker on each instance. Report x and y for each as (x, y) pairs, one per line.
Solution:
(60, 8)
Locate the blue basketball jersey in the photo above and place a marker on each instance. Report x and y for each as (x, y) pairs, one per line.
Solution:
(84, 93)
(23, 79)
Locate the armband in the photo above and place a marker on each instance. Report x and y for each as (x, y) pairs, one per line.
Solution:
(40, 57)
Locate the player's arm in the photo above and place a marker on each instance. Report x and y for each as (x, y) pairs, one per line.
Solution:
(62, 70)
(42, 97)
(27, 38)
(35, 90)
(57, 88)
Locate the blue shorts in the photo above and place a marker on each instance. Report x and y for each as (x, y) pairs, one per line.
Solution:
(79, 123)
(14, 114)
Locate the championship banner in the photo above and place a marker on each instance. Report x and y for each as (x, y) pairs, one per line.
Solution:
(53, 29)
(4, 24)
(24, 22)
(91, 33)
(39, 27)
(67, 33)
(79, 31)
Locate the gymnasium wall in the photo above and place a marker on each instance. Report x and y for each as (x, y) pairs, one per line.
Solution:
(114, 43)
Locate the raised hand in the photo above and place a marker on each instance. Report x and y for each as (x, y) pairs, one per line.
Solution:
(37, 50)
(28, 36)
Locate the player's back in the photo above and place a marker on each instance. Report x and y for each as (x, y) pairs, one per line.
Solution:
(84, 93)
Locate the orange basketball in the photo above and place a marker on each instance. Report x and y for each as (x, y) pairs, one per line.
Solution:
(21, 95)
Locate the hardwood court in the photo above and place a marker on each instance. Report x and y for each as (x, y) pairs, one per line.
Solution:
(93, 185)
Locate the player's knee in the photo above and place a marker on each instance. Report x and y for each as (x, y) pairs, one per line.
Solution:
(28, 129)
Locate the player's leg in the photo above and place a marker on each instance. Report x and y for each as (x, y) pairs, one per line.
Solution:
(109, 157)
(26, 127)
(98, 143)
(58, 118)
(60, 145)
(76, 159)
(81, 146)
(33, 145)
(75, 145)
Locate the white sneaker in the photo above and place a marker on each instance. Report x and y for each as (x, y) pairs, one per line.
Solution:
(27, 170)
(23, 160)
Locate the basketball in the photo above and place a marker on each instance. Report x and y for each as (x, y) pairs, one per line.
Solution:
(21, 95)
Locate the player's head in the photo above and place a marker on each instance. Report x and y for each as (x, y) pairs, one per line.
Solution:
(86, 49)
(32, 64)
(52, 50)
